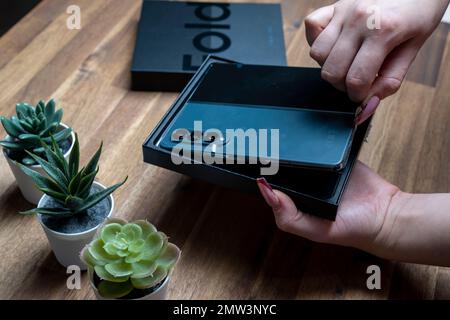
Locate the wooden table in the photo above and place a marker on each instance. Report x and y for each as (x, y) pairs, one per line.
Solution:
(231, 246)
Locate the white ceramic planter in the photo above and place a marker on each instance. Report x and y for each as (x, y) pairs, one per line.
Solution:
(67, 247)
(158, 294)
(26, 185)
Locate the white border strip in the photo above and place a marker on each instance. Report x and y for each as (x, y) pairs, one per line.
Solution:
(446, 17)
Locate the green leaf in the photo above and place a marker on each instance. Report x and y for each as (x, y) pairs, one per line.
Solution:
(54, 194)
(74, 159)
(27, 126)
(10, 127)
(54, 173)
(89, 259)
(49, 129)
(39, 107)
(12, 145)
(134, 257)
(132, 232)
(95, 198)
(59, 136)
(169, 256)
(53, 212)
(50, 109)
(92, 165)
(57, 116)
(119, 269)
(153, 245)
(147, 227)
(41, 181)
(30, 138)
(114, 290)
(148, 282)
(16, 122)
(55, 158)
(28, 161)
(118, 243)
(86, 184)
(73, 202)
(42, 125)
(143, 269)
(74, 184)
(63, 163)
(105, 275)
(136, 246)
(24, 110)
(109, 231)
(111, 249)
(96, 249)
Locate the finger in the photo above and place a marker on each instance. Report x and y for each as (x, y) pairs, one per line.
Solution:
(326, 40)
(289, 219)
(267, 192)
(364, 69)
(390, 77)
(340, 59)
(316, 22)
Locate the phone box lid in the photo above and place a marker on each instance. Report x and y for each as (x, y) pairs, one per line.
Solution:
(315, 191)
(175, 37)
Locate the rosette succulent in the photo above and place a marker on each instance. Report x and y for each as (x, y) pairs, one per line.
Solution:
(30, 127)
(129, 257)
(65, 183)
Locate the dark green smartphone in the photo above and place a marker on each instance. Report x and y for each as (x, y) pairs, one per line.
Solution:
(305, 137)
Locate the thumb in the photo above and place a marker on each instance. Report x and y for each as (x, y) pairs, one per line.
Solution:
(291, 220)
(316, 21)
(390, 77)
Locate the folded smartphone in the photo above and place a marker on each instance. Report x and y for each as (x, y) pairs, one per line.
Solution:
(293, 136)
(303, 135)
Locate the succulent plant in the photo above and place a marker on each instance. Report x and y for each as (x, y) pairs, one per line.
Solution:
(66, 184)
(129, 256)
(32, 125)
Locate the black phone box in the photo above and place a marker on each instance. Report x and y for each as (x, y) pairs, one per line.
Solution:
(315, 191)
(175, 37)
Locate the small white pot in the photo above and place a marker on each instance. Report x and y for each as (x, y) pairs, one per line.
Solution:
(158, 294)
(67, 246)
(26, 185)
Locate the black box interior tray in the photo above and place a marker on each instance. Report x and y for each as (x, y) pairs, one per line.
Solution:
(315, 191)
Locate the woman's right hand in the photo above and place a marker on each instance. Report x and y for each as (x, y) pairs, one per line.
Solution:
(365, 47)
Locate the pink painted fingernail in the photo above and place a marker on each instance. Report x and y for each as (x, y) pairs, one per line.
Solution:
(368, 110)
(267, 192)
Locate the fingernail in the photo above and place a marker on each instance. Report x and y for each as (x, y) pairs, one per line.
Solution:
(368, 110)
(267, 192)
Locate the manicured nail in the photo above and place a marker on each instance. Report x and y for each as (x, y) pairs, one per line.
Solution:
(267, 192)
(368, 110)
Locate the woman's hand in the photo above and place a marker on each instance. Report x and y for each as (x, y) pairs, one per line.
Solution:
(376, 217)
(360, 221)
(365, 47)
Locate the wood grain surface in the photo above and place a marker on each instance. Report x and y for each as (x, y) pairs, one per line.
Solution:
(231, 246)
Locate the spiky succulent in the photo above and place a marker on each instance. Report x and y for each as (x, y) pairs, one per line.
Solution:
(70, 187)
(129, 256)
(30, 126)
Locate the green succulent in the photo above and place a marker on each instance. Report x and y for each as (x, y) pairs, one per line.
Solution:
(66, 184)
(128, 256)
(30, 126)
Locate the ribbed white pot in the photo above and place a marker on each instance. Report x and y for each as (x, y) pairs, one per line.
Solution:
(158, 294)
(67, 246)
(26, 185)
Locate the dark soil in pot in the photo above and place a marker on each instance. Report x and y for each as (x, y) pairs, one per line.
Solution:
(80, 222)
(19, 155)
(135, 293)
